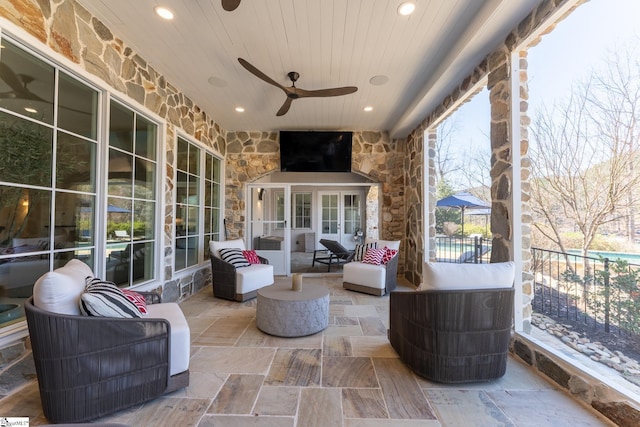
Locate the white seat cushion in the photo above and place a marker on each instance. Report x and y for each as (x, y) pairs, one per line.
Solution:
(59, 290)
(254, 277)
(358, 273)
(180, 350)
(454, 276)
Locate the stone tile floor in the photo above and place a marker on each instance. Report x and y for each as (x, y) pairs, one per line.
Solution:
(348, 375)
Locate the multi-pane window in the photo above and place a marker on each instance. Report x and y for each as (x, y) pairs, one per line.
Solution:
(302, 210)
(187, 204)
(48, 192)
(194, 202)
(131, 197)
(212, 203)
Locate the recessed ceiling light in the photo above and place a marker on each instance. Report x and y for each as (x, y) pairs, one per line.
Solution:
(240, 109)
(368, 108)
(378, 80)
(30, 110)
(164, 12)
(406, 8)
(217, 81)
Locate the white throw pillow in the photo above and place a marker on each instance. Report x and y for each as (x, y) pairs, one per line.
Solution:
(214, 246)
(59, 290)
(453, 276)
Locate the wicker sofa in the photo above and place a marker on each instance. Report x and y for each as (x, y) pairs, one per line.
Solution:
(448, 333)
(88, 367)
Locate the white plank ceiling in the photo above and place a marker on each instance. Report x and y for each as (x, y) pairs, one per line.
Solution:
(331, 43)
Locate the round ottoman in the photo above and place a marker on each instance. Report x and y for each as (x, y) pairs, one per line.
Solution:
(284, 312)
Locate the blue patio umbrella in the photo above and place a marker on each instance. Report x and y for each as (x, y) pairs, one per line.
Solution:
(463, 201)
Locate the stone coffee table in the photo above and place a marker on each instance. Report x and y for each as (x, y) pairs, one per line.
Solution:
(284, 312)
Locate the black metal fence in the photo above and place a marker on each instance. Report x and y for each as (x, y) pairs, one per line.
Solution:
(463, 249)
(597, 292)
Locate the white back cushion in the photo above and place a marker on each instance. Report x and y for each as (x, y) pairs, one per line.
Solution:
(380, 244)
(216, 246)
(452, 276)
(59, 290)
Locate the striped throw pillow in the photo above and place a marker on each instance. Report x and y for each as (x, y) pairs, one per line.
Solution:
(234, 256)
(361, 250)
(373, 256)
(104, 299)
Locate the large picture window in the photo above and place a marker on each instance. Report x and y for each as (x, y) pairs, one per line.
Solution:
(48, 190)
(197, 197)
(131, 197)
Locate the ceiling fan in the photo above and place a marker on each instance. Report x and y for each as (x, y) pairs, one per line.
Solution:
(293, 92)
(230, 5)
(18, 84)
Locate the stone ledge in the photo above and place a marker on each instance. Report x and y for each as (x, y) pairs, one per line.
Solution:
(620, 408)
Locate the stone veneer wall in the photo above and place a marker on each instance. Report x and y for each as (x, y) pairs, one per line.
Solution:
(71, 31)
(496, 68)
(253, 155)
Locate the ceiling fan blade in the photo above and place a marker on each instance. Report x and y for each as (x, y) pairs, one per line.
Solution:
(321, 93)
(285, 107)
(11, 78)
(253, 70)
(230, 5)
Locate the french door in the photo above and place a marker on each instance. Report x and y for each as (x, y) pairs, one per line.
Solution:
(341, 216)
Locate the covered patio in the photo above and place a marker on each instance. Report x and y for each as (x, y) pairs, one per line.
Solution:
(348, 375)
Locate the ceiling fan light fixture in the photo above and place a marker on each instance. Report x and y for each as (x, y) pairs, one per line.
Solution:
(164, 12)
(406, 8)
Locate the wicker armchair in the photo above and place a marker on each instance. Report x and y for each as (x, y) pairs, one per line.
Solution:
(453, 336)
(237, 283)
(88, 367)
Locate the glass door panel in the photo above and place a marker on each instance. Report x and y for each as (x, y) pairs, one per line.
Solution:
(269, 225)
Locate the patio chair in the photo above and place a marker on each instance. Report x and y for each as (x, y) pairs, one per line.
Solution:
(88, 367)
(457, 327)
(237, 281)
(121, 234)
(337, 254)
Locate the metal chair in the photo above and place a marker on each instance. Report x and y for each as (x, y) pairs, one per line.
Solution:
(337, 254)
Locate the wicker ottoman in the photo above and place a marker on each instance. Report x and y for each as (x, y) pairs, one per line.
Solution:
(284, 312)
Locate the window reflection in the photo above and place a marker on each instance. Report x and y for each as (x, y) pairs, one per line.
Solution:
(27, 83)
(131, 209)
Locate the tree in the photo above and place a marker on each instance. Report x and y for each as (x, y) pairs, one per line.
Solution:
(583, 153)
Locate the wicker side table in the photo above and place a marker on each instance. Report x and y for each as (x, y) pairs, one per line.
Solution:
(284, 312)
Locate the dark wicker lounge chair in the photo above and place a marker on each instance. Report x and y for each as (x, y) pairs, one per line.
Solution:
(453, 336)
(338, 254)
(237, 283)
(88, 367)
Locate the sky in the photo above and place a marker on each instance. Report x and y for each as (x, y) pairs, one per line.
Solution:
(577, 45)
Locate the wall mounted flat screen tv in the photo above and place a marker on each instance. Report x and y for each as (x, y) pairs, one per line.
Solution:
(315, 151)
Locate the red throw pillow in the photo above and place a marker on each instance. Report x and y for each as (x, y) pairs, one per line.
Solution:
(251, 256)
(373, 256)
(388, 254)
(137, 299)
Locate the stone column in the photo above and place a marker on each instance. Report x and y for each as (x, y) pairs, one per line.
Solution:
(499, 85)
